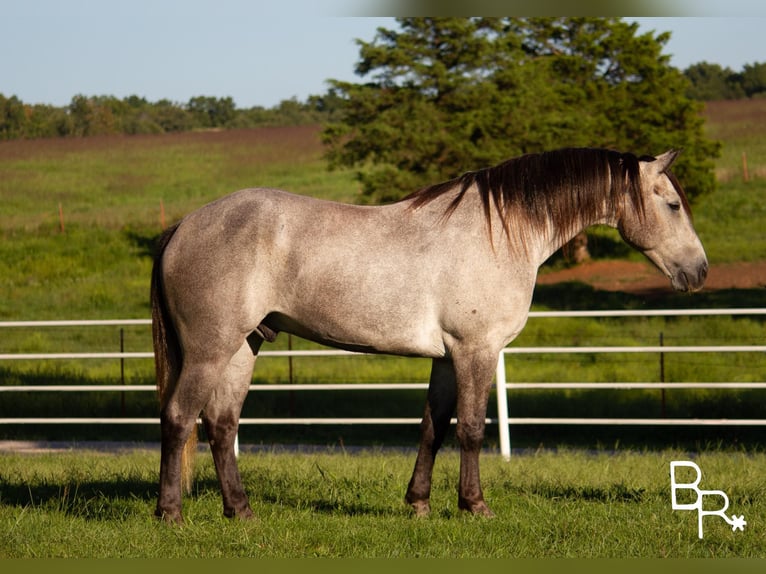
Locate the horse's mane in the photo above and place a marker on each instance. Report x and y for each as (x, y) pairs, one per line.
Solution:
(565, 186)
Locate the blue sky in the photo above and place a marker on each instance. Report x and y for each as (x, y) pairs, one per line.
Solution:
(256, 52)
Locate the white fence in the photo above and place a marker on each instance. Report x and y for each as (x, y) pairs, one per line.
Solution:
(502, 386)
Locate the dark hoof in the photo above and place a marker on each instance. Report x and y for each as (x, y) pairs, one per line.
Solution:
(245, 513)
(169, 517)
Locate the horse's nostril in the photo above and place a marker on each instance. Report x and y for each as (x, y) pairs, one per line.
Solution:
(702, 275)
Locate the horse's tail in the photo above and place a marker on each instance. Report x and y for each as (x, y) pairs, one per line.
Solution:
(167, 351)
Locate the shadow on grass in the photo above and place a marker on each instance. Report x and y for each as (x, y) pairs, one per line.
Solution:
(581, 296)
(145, 241)
(121, 498)
(611, 493)
(89, 499)
(330, 504)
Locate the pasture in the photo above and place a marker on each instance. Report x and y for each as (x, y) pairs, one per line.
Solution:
(611, 500)
(563, 504)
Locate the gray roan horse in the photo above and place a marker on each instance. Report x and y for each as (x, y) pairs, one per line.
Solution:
(445, 273)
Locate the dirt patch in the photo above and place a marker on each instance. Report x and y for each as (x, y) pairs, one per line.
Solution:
(641, 278)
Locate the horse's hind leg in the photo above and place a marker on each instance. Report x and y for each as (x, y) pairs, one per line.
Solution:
(175, 428)
(221, 419)
(440, 407)
(177, 421)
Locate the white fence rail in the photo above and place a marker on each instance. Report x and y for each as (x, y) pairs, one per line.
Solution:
(502, 386)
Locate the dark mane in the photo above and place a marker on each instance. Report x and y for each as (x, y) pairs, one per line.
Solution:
(566, 186)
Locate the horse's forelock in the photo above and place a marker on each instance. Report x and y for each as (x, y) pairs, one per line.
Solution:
(681, 193)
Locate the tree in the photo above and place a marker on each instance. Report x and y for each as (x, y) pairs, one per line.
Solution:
(12, 117)
(712, 82)
(96, 115)
(446, 95)
(754, 79)
(211, 112)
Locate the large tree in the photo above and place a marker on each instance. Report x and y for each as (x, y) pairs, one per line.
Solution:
(446, 95)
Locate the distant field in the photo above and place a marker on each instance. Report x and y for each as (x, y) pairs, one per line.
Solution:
(118, 182)
(740, 126)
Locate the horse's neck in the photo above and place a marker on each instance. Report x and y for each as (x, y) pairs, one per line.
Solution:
(554, 238)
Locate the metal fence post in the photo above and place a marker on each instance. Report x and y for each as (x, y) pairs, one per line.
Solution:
(502, 408)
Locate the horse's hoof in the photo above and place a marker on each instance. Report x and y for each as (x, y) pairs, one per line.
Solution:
(244, 513)
(485, 511)
(422, 508)
(477, 509)
(169, 517)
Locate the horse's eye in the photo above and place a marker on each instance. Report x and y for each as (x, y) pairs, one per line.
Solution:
(675, 206)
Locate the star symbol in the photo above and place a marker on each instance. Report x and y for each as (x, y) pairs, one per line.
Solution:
(738, 523)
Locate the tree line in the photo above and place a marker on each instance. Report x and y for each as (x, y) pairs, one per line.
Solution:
(103, 115)
(709, 82)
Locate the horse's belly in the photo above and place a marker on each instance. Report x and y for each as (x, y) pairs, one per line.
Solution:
(362, 334)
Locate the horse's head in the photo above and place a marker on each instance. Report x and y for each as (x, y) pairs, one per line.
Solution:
(664, 231)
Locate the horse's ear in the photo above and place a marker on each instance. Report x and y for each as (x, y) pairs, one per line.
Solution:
(664, 161)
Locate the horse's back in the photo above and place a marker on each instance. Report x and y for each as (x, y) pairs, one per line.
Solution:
(316, 268)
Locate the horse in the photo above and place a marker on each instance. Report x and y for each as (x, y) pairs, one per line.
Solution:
(446, 273)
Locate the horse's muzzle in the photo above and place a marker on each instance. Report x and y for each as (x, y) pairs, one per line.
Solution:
(690, 280)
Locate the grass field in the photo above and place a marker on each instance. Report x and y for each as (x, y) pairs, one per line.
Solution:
(547, 504)
(610, 501)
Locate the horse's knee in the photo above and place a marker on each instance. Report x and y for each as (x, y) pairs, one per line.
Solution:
(470, 434)
(221, 430)
(175, 428)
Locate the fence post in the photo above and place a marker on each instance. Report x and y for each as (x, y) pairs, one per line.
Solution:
(745, 173)
(662, 376)
(502, 408)
(122, 370)
(290, 394)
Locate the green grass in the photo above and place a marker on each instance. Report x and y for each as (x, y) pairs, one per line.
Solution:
(547, 504)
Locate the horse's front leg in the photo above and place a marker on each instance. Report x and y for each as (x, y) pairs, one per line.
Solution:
(440, 407)
(474, 373)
